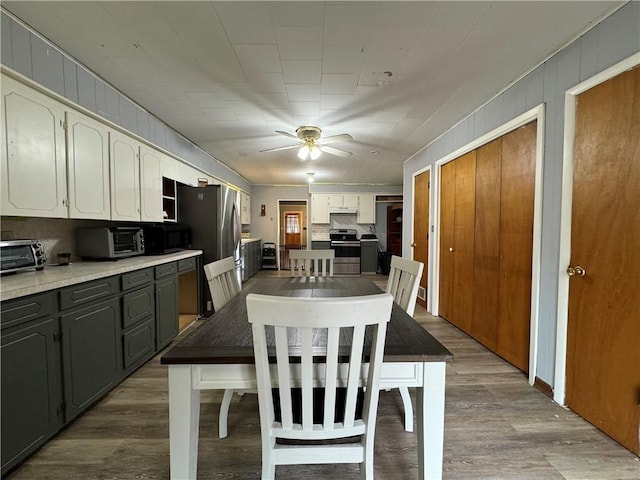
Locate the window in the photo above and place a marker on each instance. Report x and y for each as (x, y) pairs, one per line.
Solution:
(292, 222)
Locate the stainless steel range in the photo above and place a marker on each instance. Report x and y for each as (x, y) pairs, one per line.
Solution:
(345, 244)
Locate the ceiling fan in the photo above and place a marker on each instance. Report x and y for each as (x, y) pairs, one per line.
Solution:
(311, 144)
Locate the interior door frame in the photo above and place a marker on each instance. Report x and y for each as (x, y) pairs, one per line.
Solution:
(562, 314)
(412, 233)
(538, 114)
(307, 225)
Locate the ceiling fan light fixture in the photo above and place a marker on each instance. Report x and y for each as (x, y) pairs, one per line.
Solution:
(315, 152)
(303, 152)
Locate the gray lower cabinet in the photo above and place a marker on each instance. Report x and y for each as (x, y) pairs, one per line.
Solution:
(62, 350)
(31, 388)
(251, 259)
(166, 306)
(91, 353)
(368, 257)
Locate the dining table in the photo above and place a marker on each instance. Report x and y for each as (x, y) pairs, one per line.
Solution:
(218, 354)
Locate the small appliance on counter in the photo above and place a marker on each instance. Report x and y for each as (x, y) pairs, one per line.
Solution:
(161, 238)
(109, 243)
(18, 255)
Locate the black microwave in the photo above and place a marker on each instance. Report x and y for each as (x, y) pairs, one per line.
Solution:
(166, 238)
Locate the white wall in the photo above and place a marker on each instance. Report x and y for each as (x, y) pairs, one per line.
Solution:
(266, 227)
(613, 40)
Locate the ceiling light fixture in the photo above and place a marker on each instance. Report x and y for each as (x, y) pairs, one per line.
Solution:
(310, 177)
(309, 150)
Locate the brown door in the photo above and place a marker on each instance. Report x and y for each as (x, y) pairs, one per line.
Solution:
(292, 230)
(486, 271)
(516, 243)
(457, 216)
(421, 230)
(603, 336)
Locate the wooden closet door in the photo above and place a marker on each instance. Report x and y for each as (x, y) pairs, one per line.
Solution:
(447, 199)
(463, 240)
(486, 272)
(516, 243)
(421, 200)
(457, 223)
(603, 338)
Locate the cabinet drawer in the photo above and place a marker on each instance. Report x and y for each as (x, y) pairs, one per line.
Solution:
(137, 278)
(139, 342)
(88, 292)
(138, 305)
(186, 264)
(15, 312)
(166, 270)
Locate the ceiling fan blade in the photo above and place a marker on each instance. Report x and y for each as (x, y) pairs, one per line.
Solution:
(335, 151)
(280, 148)
(345, 137)
(287, 134)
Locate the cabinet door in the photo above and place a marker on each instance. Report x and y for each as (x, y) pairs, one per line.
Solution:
(150, 185)
(335, 200)
(91, 353)
(350, 200)
(166, 311)
(87, 168)
(245, 208)
(366, 209)
(34, 178)
(319, 208)
(31, 388)
(125, 177)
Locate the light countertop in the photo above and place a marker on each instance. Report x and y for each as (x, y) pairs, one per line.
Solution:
(26, 283)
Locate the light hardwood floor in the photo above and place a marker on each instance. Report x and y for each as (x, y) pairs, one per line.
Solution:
(496, 427)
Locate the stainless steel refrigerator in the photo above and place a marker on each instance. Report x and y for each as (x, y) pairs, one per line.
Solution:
(212, 213)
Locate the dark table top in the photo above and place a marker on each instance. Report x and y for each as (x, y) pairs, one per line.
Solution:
(226, 338)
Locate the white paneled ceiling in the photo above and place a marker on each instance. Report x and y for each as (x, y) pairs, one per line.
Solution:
(393, 75)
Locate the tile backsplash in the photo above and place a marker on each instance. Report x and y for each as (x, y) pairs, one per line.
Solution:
(58, 235)
(321, 231)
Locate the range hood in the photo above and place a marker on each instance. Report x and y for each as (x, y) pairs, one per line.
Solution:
(343, 209)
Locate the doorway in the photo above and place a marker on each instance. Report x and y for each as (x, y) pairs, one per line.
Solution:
(292, 228)
(600, 263)
(421, 217)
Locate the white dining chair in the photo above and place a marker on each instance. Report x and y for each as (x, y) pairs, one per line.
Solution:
(403, 283)
(306, 263)
(309, 319)
(224, 285)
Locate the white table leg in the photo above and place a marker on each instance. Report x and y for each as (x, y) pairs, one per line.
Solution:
(184, 419)
(430, 405)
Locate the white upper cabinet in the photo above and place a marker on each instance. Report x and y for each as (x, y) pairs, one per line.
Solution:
(34, 179)
(366, 208)
(150, 184)
(87, 167)
(319, 208)
(125, 177)
(245, 208)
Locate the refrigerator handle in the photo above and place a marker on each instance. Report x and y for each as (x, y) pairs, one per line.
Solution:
(237, 234)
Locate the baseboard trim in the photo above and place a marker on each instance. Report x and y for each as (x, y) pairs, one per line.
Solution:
(544, 387)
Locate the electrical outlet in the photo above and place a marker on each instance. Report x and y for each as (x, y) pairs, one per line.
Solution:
(209, 305)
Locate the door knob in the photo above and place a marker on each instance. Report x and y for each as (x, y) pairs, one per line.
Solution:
(451, 249)
(414, 245)
(576, 271)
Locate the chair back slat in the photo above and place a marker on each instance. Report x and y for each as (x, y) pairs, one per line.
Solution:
(305, 263)
(223, 281)
(403, 283)
(330, 378)
(354, 375)
(306, 343)
(284, 377)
